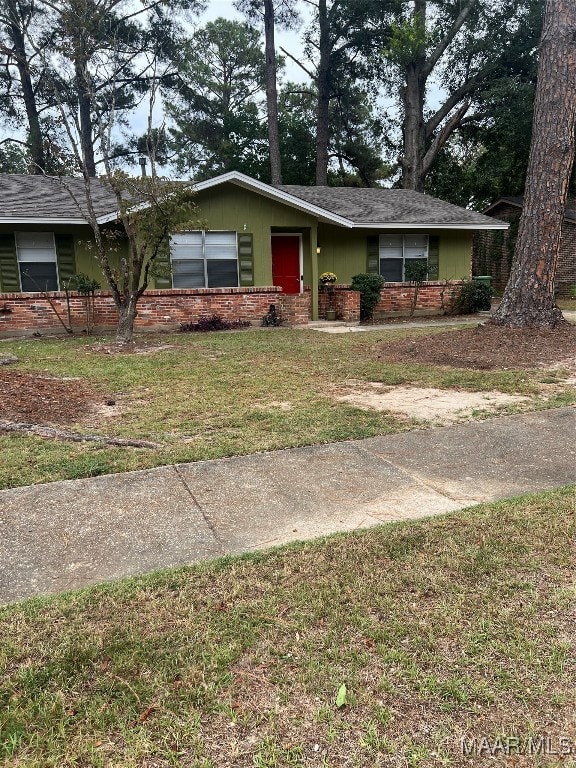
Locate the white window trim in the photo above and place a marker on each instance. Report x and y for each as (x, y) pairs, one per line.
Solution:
(46, 261)
(405, 258)
(205, 260)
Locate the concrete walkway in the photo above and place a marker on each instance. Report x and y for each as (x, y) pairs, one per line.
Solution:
(65, 535)
(338, 326)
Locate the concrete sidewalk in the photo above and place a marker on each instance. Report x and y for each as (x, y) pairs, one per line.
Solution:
(65, 535)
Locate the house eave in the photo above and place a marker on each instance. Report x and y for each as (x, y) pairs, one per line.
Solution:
(432, 225)
(4, 220)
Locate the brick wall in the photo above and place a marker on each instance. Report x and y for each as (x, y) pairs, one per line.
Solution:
(157, 309)
(493, 252)
(295, 309)
(396, 299)
(345, 301)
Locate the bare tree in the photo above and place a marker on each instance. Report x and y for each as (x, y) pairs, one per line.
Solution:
(529, 296)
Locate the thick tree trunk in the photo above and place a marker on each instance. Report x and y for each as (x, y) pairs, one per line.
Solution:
(127, 313)
(85, 118)
(323, 86)
(412, 160)
(529, 296)
(272, 95)
(35, 141)
(413, 94)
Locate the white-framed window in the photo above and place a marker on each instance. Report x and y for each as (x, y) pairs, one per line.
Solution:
(397, 250)
(203, 259)
(36, 253)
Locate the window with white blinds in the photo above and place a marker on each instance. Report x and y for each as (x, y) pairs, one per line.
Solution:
(36, 253)
(398, 250)
(204, 260)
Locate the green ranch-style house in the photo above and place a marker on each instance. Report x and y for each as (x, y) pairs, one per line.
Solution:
(263, 245)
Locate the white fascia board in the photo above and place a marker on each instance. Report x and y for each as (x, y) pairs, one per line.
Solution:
(405, 225)
(108, 217)
(246, 182)
(42, 221)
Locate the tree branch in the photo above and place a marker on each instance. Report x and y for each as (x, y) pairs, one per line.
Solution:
(310, 75)
(434, 121)
(447, 129)
(436, 54)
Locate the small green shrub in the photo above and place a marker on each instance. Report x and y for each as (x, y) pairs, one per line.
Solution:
(416, 271)
(369, 285)
(83, 284)
(470, 297)
(212, 323)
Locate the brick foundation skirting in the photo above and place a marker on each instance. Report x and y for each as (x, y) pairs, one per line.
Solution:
(395, 300)
(25, 313)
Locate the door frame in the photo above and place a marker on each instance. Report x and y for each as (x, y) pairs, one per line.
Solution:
(300, 254)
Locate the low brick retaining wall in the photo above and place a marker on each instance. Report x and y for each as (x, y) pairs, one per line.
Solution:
(24, 313)
(396, 299)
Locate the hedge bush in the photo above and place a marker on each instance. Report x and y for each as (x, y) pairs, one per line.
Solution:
(470, 297)
(369, 285)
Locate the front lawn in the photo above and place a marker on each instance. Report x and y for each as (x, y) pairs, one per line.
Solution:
(454, 637)
(208, 396)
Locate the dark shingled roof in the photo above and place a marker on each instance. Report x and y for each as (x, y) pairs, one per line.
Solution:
(569, 211)
(40, 198)
(48, 197)
(386, 206)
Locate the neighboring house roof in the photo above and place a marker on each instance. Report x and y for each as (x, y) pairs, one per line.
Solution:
(52, 200)
(27, 199)
(518, 202)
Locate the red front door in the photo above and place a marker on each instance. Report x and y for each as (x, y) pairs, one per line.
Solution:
(286, 262)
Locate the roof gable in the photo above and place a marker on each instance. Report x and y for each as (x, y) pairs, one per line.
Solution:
(365, 207)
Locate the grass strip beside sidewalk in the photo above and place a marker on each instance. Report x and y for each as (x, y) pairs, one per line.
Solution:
(450, 634)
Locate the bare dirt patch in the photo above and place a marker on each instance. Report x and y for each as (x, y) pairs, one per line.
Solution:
(488, 347)
(138, 347)
(31, 397)
(427, 403)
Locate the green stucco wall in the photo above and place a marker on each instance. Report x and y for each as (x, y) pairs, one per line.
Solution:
(343, 251)
(230, 207)
(85, 257)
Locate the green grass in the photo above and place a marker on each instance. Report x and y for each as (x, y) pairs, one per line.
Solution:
(222, 394)
(458, 626)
